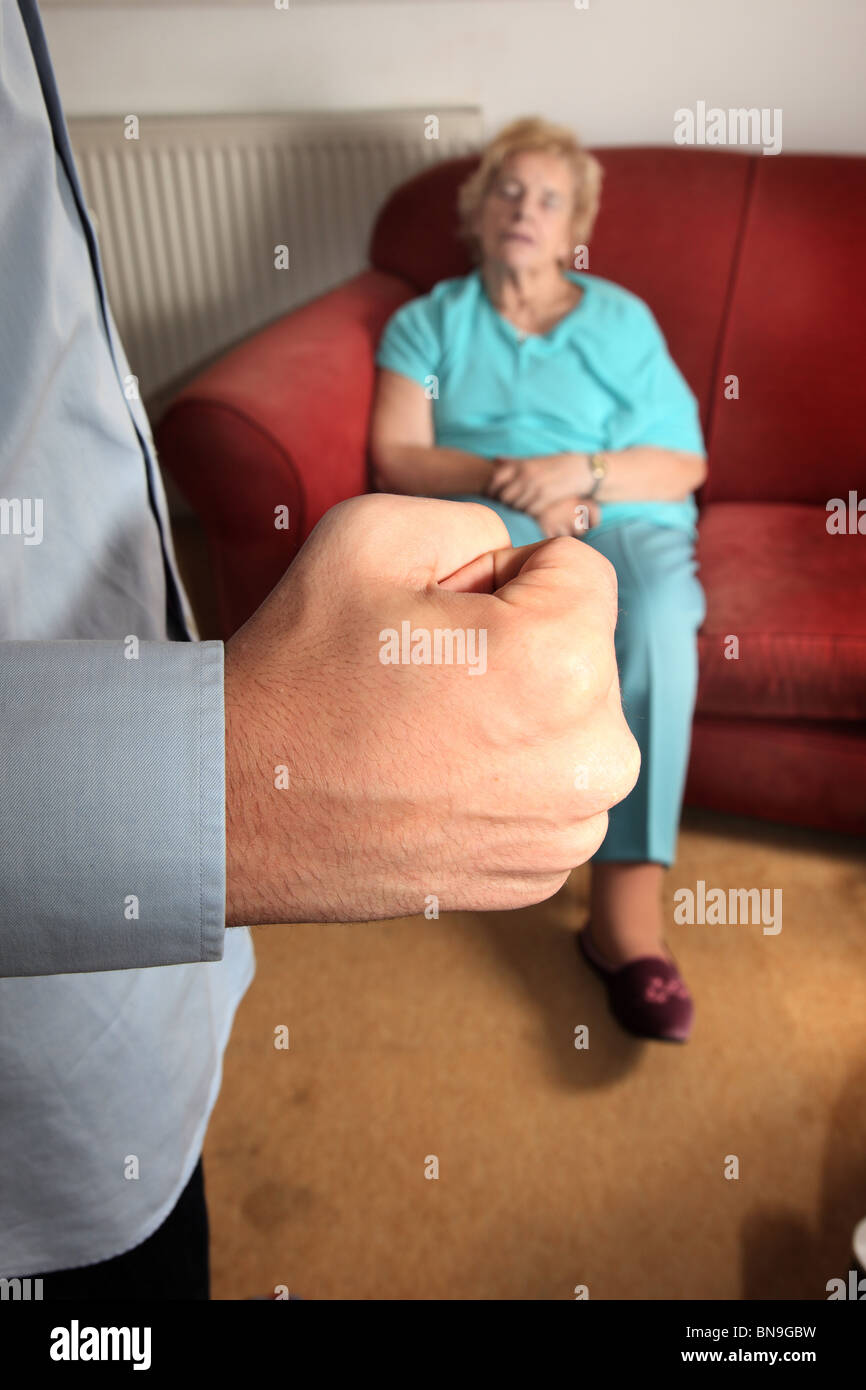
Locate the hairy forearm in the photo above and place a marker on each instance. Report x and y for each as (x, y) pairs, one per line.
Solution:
(422, 471)
(645, 473)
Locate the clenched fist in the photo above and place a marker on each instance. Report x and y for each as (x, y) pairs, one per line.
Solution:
(419, 709)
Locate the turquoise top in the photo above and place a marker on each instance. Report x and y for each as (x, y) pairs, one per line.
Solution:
(601, 378)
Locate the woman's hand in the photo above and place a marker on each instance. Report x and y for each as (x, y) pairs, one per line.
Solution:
(572, 516)
(531, 484)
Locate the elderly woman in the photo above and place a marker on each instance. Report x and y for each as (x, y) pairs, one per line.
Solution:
(550, 396)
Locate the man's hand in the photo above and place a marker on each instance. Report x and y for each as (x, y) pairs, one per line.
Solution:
(357, 789)
(531, 484)
(572, 517)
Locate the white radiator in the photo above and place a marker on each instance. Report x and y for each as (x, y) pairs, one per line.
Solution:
(188, 217)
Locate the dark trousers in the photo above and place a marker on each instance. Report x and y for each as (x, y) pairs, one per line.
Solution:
(172, 1263)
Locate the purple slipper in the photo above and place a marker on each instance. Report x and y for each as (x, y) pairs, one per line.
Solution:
(648, 996)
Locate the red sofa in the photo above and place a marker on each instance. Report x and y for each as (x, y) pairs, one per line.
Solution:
(754, 266)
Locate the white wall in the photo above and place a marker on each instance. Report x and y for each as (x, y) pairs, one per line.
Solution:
(616, 71)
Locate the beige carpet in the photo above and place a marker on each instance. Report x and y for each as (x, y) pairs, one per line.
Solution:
(558, 1167)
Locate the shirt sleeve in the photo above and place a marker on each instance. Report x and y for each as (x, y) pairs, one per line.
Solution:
(410, 342)
(658, 406)
(112, 805)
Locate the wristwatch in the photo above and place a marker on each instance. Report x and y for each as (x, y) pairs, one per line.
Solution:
(598, 468)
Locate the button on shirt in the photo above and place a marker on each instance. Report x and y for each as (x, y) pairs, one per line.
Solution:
(118, 979)
(601, 379)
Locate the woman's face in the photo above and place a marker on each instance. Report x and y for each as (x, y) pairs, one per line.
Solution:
(525, 221)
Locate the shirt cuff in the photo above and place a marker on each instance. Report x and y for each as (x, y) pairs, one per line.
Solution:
(112, 805)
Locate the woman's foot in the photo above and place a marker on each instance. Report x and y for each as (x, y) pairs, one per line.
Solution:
(648, 997)
(624, 943)
(626, 912)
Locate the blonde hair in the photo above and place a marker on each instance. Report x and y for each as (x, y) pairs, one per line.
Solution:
(535, 134)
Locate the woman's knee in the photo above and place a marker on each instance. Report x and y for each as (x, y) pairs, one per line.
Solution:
(663, 612)
(659, 591)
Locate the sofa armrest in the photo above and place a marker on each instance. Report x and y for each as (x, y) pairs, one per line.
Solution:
(280, 421)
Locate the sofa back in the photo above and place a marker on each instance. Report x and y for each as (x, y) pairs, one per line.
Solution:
(754, 266)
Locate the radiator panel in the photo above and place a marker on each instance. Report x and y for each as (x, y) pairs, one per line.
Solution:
(188, 216)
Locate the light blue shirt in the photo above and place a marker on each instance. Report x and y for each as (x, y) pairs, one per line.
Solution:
(112, 813)
(601, 378)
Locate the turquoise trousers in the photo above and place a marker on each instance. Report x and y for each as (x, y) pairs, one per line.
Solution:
(661, 607)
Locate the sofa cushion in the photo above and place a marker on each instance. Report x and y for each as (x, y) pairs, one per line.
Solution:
(794, 597)
(795, 338)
